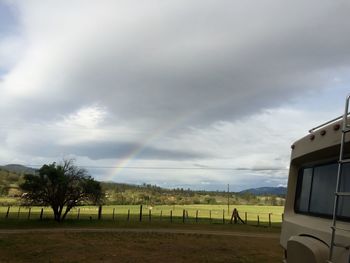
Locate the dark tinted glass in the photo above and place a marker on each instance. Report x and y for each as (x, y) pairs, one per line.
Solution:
(303, 205)
(344, 202)
(323, 188)
(316, 187)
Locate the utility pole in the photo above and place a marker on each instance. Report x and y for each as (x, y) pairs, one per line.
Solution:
(228, 199)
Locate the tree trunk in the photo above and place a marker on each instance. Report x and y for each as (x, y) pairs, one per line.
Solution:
(66, 212)
(56, 213)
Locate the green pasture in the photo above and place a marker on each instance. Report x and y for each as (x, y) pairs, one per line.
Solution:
(206, 213)
(4, 201)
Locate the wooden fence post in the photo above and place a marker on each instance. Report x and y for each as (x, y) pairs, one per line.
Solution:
(171, 216)
(197, 216)
(245, 217)
(149, 215)
(113, 214)
(161, 215)
(258, 221)
(7, 213)
(269, 219)
(19, 211)
(183, 216)
(30, 209)
(282, 217)
(140, 213)
(210, 215)
(128, 218)
(41, 214)
(99, 212)
(78, 216)
(223, 216)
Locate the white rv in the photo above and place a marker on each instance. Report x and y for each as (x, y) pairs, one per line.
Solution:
(316, 225)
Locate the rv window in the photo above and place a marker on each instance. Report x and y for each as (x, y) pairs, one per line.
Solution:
(344, 202)
(305, 190)
(316, 186)
(323, 187)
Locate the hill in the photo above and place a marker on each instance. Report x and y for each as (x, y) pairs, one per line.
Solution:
(17, 168)
(9, 183)
(11, 176)
(279, 191)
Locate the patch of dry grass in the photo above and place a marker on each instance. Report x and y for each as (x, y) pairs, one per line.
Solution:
(136, 247)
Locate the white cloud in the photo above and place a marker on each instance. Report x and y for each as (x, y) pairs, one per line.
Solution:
(86, 117)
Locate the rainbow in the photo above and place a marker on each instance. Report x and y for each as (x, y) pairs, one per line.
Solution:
(161, 131)
(124, 162)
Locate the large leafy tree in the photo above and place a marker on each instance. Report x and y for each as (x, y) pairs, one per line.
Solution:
(61, 187)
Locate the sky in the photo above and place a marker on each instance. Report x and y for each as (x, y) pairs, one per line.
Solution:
(191, 94)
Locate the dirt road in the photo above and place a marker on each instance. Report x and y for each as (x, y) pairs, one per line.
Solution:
(141, 230)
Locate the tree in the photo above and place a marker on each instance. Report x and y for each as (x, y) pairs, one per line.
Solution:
(61, 187)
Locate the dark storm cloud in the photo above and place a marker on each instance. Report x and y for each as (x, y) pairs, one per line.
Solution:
(215, 62)
(108, 150)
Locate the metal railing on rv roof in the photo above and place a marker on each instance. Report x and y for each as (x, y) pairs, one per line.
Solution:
(344, 116)
(328, 122)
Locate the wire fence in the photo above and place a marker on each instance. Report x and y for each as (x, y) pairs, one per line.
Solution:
(143, 213)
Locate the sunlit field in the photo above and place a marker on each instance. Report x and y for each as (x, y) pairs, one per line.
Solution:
(193, 213)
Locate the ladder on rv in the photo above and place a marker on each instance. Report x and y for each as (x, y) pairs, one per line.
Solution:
(338, 193)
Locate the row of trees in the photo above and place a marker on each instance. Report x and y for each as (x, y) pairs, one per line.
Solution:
(142, 196)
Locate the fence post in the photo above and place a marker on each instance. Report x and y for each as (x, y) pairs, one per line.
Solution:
(113, 214)
(210, 215)
(258, 221)
(245, 217)
(183, 216)
(197, 216)
(99, 212)
(128, 218)
(78, 216)
(7, 213)
(30, 209)
(269, 219)
(282, 217)
(41, 214)
(140, 213)
(161, 215)
(19, 211)
(223, 216)
(171, 216)
(149, 215)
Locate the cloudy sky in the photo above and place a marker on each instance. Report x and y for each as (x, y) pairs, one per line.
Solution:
(182, 93)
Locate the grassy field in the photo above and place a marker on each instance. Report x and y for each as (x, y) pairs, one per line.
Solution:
(136, 247)
(70, 246)
(8, 200)
(158, 213)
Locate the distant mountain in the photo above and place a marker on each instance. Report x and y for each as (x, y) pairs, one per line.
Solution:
(279, 191)
(17, 168)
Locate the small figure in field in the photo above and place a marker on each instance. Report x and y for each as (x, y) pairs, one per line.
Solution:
(235, 216)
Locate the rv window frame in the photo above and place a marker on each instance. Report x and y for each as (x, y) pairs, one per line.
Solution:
(299, 188)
